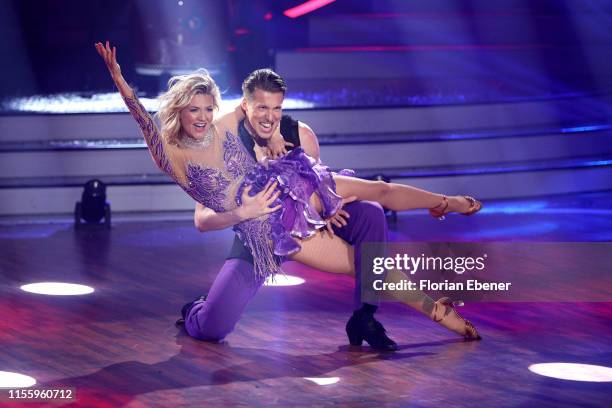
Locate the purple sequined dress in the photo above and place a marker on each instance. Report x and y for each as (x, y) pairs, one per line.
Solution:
(216, 174)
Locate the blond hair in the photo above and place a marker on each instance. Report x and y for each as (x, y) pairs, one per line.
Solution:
(181, 89)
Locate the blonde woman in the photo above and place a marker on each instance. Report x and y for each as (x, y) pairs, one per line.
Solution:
(277, 206)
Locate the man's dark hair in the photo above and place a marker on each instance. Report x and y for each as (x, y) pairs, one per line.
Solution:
(264, 79)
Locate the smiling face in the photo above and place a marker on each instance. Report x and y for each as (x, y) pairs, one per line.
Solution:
(196, 117)
(264, 110)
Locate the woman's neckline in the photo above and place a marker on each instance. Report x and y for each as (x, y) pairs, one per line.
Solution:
(191, 143)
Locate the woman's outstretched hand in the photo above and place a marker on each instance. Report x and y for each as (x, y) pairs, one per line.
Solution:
(259, 204)
(110, 58)
(109, 55)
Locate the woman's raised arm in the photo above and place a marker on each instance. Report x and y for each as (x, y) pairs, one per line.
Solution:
(143, 118)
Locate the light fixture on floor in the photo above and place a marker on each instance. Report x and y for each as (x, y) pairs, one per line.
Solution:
(93, 206)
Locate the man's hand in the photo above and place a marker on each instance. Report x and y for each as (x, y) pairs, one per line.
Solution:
(277, 146)
(259, 204)
(339, 219)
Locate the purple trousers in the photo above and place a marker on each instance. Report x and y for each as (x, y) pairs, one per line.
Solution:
(235, 285)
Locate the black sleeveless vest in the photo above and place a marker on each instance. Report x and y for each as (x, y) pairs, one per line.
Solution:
(289, 130)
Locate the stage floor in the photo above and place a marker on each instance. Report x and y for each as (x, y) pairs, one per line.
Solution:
(119, 346)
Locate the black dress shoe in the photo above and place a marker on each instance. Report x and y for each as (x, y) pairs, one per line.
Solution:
(363, 326)
(186, 308)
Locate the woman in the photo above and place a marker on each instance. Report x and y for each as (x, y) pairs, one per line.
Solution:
(276, 205)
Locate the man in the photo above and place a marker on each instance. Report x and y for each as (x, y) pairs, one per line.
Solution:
(214, 316)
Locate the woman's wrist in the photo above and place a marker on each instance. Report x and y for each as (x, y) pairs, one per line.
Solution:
(124, 88)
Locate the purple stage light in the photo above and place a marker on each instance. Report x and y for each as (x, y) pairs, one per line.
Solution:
(307, 7)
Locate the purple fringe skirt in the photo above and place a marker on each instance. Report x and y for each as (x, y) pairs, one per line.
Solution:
(277, 236)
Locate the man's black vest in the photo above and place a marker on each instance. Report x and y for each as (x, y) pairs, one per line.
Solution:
(289, 130)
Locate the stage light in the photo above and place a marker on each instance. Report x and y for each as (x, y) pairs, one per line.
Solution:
(306, 7)
(57, 289)
(15, 380)
(323, 380)
(283, 280)
(112, 102)
(573, 372)
(93, 206)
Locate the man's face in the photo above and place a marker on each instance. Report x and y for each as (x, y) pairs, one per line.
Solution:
(264, 111)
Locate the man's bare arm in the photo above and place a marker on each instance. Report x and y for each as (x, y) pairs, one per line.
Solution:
(309, 141)
(255, 206)
(206, 219)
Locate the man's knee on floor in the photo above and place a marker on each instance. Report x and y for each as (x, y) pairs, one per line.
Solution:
(209, 332)
(203, 324)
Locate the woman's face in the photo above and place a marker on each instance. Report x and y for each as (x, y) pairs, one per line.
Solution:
(197, 116)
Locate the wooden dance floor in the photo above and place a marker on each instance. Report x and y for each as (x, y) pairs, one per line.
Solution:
(119, 346)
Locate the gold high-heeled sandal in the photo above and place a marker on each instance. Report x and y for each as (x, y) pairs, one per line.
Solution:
(439, 211)
(470, 332)
(475, 206)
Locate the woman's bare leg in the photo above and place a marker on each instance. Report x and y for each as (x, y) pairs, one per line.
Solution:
(335, 256)
(397, 197)
(326, 254)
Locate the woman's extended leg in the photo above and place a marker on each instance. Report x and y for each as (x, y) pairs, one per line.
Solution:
(366, 223)
(326, 254)
(441, 311)
(398, 197)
